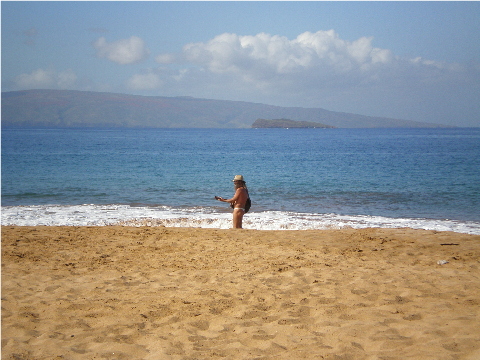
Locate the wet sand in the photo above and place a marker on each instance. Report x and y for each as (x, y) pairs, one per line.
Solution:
(185, 293)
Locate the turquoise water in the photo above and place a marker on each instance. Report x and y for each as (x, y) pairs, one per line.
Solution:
(431, 174)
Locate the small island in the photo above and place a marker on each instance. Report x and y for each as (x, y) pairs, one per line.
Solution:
(287, 124)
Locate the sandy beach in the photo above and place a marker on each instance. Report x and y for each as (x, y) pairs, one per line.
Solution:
(189, 293)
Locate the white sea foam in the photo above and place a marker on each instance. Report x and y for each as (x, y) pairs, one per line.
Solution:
(102, 215)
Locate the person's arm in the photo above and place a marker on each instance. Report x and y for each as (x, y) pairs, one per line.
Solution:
(232, 200)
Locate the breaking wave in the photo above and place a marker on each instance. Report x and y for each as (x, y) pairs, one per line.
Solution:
(209, 217)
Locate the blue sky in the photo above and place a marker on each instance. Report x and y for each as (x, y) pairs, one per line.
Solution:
(407, 60)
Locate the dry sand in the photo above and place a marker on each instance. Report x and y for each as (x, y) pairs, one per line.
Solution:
(173, 293)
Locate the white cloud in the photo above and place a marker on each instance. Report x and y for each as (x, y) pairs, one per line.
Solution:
(125, 51)
(320, 51)
(317, 62)
(46, 79)
(147, 81)
(266, 67)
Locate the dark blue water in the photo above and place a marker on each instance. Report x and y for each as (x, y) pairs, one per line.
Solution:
(399, 173)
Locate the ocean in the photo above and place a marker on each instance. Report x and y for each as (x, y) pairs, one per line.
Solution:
(297, 178)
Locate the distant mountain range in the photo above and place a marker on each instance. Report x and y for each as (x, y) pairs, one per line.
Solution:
(287, 124)
(69, 108)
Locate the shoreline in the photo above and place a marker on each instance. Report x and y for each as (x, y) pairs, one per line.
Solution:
(214, 218)
(117, 292)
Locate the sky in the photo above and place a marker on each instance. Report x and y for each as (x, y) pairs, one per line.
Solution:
(406, 60)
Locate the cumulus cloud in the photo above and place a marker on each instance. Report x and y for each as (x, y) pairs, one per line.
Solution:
(279, 55)
(46, 79)
(309, 62)
(124, 51)
(265, 66)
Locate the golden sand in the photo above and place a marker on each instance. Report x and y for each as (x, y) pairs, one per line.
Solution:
(185, 293)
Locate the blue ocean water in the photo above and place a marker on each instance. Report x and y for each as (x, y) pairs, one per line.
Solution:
(319, 177)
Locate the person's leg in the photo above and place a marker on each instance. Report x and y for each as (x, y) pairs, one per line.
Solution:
(237, 218)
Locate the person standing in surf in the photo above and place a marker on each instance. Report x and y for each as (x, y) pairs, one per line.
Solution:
(238, 200)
